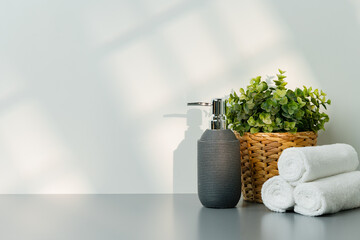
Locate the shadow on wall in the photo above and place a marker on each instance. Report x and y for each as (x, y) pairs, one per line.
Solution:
(184, 161)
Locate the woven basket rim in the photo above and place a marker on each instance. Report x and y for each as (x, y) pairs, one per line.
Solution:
(279, 133)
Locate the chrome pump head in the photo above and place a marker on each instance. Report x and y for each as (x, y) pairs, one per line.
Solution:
(218, 112)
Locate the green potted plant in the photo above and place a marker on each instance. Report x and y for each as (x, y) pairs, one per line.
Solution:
(267, 118)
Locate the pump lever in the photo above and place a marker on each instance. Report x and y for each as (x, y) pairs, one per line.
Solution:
(206, 104)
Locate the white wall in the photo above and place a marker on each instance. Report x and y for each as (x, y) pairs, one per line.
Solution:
(93, 93)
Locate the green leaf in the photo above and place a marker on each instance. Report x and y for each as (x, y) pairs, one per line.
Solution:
(286, 115)
(285, 108)
(266, 106)
(290, 108)
(313, 100)
(251, 121)
(280, 76)
(293, 105)
(265, 117)
(305, 91)
(250, 104)
(316, 91)
(243, 97)
(293, 130)
(268, 129)
(291, 95)
(242, 116)
(301, 102)
(259, 123)
(289, 125)
(281, 72)
(262, 87)
(283, 101)
(299, 114)
(299, 92)
(254, 130)
(256, 80)
(275, 110)
(279, 94)
(246, 108)
(237, 107)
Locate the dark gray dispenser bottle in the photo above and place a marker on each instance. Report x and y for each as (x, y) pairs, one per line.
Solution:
(218, 156)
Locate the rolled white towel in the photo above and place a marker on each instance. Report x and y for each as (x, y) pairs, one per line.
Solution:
(328, 195)
(277, 194)
(304, 164)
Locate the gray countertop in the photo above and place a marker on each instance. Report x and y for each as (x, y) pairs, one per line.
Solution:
(142, 216)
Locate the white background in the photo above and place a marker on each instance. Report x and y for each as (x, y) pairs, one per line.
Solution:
(93, 93)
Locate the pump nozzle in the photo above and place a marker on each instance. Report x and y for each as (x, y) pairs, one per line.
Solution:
(218, 110)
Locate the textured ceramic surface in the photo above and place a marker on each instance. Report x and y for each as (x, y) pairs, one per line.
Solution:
(219, 184)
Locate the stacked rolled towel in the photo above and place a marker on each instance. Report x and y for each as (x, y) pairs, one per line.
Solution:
(304, 164)
(300, 165)
(277, 194)
(328, 195)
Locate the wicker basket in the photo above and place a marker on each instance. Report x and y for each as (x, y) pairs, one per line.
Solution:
(259, 156)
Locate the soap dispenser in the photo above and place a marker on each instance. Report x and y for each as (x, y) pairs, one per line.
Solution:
(218, 161)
